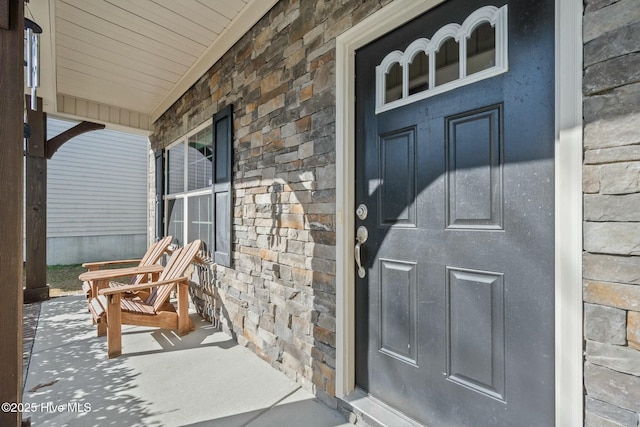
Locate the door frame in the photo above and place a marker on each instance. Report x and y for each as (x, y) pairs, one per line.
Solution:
(568, 196)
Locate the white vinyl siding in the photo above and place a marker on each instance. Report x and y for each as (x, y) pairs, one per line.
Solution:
(97, 196)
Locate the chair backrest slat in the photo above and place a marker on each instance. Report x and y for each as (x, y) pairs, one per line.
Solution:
(159, 250)
(152, 256)
(166, 274)
(175, 268)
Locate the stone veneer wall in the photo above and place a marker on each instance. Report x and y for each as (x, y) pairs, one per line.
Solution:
(612, 212)
(279, 297)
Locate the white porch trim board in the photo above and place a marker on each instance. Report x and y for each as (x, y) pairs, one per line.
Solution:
(568, 196)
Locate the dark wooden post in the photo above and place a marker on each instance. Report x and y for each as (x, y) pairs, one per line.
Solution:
(36, 206)
(11, 204)
(39, 150)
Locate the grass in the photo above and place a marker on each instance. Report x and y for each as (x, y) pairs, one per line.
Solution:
(63, 279)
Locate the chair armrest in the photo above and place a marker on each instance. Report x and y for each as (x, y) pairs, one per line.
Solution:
(107, 263)
(114, 273)
(142, 286)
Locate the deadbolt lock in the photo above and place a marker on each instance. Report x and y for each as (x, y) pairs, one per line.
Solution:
(362, 211)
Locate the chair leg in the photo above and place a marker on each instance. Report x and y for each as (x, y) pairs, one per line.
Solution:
(183, 309)
(96, 285)
(102, 328)
(114, 329)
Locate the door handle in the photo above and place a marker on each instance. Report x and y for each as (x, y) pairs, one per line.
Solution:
(361, 236)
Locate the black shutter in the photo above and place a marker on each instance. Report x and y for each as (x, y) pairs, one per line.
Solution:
(159, 193)
(222, 173)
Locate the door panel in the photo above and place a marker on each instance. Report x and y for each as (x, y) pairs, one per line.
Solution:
(475, 330)
(454, 318)
(474, 186)
(398, 315)
(397, 172)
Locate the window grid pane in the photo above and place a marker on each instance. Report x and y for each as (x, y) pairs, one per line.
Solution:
(393, 81)
(175, 223)
(419, 73)
(447, 62)
(175, 169)
(481, 49)
(200, 219)
(200, 156)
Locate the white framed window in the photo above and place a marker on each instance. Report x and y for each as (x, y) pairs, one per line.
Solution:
(456, 55)
(197, 186)
(188, 189)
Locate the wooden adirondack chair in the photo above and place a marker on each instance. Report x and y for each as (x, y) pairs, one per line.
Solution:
(102, 279)
(111, 310)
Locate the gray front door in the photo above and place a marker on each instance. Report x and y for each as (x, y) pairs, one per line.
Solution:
(455, 313)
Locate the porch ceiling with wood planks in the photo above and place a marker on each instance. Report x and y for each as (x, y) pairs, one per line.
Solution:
(123, 62)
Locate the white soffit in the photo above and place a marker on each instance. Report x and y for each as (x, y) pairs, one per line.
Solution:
(136, 56)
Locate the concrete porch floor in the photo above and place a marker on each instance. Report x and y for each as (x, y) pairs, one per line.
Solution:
(202, 379)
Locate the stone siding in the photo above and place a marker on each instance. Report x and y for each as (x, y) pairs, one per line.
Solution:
(278, 299)
(611, 272)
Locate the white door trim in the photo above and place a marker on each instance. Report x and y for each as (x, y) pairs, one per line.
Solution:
(568, 196)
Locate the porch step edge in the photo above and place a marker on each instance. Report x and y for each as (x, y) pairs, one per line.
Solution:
(371, 412)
